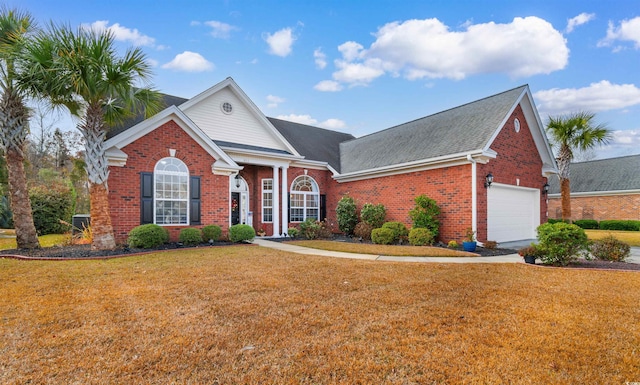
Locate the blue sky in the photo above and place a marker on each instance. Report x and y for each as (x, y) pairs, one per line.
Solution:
(363, 66)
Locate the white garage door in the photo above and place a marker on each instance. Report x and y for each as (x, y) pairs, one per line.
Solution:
(513, 213)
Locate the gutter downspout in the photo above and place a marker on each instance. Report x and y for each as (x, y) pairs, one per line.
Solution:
(474, 194)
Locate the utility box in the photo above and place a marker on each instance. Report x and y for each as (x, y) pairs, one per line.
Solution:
(80, 222)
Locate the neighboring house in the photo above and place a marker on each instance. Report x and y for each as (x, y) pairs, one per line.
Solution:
(601, 189)
(216, 159)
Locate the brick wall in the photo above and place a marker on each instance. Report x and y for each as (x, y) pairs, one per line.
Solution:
(622, 207)
(143, 154)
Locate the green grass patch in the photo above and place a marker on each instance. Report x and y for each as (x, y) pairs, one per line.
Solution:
(630, 237)
(393, 250)
(45, 241)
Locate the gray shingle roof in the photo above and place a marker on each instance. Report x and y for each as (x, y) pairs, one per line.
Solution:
(167, 101)
(462, 129)
(613, 174)
(313, 143)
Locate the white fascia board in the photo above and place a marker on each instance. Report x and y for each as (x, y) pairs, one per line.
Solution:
(233, 86)
(419, 165)
(116, 157)
(598, 193)
(171, 113)
(312, 164)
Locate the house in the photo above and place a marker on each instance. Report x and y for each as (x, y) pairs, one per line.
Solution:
(217, 159)
(601, 190)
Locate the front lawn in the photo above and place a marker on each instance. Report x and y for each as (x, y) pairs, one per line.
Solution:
(393, 250)
(249, 315)
(45, 240)
(630, 237)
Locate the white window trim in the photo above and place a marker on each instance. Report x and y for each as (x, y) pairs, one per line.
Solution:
(315, 192)
(156, 199)
(263, 199)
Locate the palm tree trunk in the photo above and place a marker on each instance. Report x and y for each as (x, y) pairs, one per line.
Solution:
(94, 131)
(565, 196)
(26, 236)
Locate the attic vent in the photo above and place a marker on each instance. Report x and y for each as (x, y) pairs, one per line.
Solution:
(227, 108)
(516, 124)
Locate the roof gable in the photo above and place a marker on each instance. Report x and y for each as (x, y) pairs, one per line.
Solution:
(245, 124)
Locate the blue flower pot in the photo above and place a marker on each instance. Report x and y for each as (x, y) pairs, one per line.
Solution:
(469, 246)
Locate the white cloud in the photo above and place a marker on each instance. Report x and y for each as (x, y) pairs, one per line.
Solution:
(273, 101)
(121, 33)
(320, 58)
(417, 49)
(332, 124)
(627, 30)
(328, 86)
(280, 42)
(624, 142)
(601, 96)
(221, 30)
(582, 18)
(189, 62)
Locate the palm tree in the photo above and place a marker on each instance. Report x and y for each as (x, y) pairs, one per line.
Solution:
(573, 132)
(15, 27)
(82, 71)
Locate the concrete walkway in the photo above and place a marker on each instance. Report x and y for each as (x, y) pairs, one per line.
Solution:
(511, 258)
(284, 246)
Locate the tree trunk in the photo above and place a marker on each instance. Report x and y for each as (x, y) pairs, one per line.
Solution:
(26, 236)
(101, 227)
(565, 195)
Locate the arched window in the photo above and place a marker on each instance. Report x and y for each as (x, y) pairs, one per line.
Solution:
(171, 181)
(305, 199)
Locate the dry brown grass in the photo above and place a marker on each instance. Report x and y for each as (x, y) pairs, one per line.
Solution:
(630, 237)
(249, 315)
(394, 250)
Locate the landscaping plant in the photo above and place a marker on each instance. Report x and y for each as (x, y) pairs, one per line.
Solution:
(363, 230)
(398, 228)
(50, 205)
(560, 243)
(610, 249)
(211, 233)
(239, 233)
(292, 231)
(373, 215)
(347, 215)
(420, 237)
(190, 236)
(147, 236)
(425, 214)
(383, 236)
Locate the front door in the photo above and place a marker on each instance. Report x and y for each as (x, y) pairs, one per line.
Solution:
(235, 208)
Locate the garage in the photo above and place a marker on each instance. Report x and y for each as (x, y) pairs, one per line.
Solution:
(513, 213)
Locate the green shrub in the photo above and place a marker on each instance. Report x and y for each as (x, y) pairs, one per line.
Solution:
(310, 228)
(420, 237)
(620, 225)
(211, 232)
(6, 217)
(190, 236)
(490, 245)
(425, 214)
(382, 236)
(363, 230)
(610, 249)
(587, 224)
(560, 243)
(239, 233)
(398, 228)
(552, 221)
(373, 215)
(347, 215)
(292, 231)
(49, 205)
(147, 236)
(453, 245)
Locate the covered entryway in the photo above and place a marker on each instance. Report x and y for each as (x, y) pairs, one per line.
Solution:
(240, 202)
(513, 213)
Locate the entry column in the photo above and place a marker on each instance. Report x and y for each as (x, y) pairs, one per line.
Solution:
(276, 201)
(285, 201)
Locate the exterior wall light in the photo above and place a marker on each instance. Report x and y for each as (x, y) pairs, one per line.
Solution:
(488, 180)
(545, 189)
(238, 180)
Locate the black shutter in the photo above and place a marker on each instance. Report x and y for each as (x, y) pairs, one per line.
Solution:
(194, 200)
(323, 207)
(146, 197)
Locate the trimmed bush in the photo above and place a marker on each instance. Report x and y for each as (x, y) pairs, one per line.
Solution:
(420, 237)
(552, 221)
(382, 236)
(310, 228)
(211, 232)
(347, 215)
(239, 233)
(560, 243)
(620, 225)
(49, 205)
(398, 228)
(587, 224)
(610, 249)
(363, 230)
(293, 232)
(147, 236)
(190, 236)
(373, 215)
(425, 214)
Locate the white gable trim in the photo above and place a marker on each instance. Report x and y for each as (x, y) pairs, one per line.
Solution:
(597, 193)
(116, 157)
(525, 100)
(248, 103)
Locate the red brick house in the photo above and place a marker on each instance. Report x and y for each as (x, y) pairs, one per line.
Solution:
(216, 159)
(601, 189)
